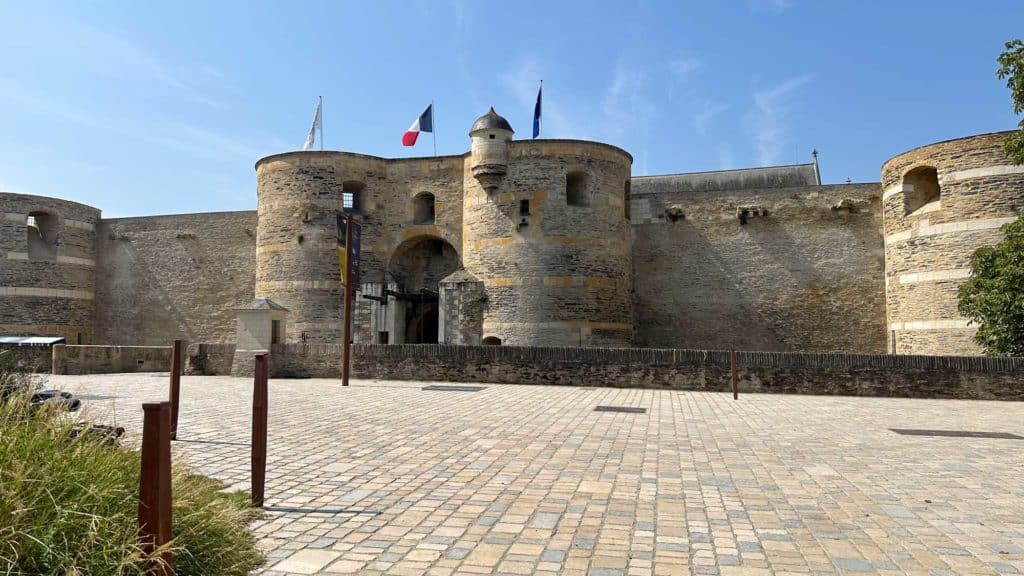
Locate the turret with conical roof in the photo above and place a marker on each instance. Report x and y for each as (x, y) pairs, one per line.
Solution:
(490, 135)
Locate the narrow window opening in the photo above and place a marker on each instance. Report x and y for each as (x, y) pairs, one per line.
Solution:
(275, 331)
(41, 229)
(491, 136)
(921, 187)
(577, 189)
(382, 337)
(423, 209)
(353, 196)
(626, 200)
(524, 207)
(491, 341)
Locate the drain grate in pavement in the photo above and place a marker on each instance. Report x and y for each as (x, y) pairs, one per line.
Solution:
(628, 409)
(441, 388)
(957, 433)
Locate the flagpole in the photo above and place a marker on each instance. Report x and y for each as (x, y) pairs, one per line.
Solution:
(321, 106)
(540, 119)
(433, 127)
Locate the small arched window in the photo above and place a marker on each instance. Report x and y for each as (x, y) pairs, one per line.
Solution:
(353, 193)
(42, 236)
(423, 208)
(491, 341)
(920, 187)
(577, 189)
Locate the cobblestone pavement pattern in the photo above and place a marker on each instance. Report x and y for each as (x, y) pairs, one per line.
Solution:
(386, 478)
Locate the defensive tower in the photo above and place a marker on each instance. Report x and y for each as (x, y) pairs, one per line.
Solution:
(47, 267)
(545, 228)
(940, 203)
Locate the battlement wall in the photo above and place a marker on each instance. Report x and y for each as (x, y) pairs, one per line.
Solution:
(781, 269)
(173, 277)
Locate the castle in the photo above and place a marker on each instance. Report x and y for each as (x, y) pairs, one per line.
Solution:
(532, 243)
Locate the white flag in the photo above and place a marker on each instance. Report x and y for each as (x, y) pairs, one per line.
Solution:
(314, 128)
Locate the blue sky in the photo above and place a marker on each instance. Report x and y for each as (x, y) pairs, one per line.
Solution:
(143, 108)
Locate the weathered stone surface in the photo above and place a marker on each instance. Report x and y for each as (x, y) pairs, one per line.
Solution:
(801, 276)
(765, 372)
(928, 250)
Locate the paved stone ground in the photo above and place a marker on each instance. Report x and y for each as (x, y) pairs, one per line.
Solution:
(386, 478)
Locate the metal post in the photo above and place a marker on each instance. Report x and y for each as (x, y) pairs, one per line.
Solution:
(259, 431)
(347, 320)
(155, 484)
(735, 383)
(175, 387)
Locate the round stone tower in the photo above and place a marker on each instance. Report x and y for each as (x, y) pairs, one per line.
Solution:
(491, 135)
(299, 197)
(545, 230)
(940, 203)
(47, 267)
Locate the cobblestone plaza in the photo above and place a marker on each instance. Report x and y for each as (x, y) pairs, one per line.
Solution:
(386, 477)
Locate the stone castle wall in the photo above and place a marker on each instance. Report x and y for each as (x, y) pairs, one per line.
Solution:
(554, 273)
(928, 244)
(977, 378)
(803, 273)
(173, 277)
(47, 279)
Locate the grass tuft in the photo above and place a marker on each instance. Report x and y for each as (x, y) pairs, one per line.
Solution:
(68, 505)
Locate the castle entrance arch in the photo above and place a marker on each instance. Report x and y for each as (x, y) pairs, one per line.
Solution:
(417, 266)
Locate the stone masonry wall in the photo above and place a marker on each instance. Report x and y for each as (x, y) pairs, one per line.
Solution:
(301, 194)
(29, 358)
(174, 277)
(928, 248)
(53, 294)
(110, 359)
(762, 372)
(558, 274)
(803, 274)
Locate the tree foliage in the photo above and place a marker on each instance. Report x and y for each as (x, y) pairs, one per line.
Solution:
(993, 298)
(1011, 68)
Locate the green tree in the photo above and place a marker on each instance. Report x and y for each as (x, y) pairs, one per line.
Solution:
(993, 297)
(1011, 67)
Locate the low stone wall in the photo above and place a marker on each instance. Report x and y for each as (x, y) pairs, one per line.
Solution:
(968, 377)
(110, 359)
(30, 358)
(209, 359)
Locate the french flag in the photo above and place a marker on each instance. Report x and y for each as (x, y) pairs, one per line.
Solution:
(425, 123)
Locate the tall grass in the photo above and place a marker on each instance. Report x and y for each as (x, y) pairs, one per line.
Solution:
(68, 506)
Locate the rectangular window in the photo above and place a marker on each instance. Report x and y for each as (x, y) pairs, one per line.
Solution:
(275, 331)
(524, 207)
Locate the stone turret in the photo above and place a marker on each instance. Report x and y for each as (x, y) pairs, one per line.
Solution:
(491, 135)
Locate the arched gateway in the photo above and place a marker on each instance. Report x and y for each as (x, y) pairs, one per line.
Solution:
(417, 267)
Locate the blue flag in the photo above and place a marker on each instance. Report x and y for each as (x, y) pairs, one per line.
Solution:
(536, 113)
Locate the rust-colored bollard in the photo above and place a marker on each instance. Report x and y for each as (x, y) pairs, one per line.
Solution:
(155, 484)
(175, 394)
(259, 430)
(735, 378)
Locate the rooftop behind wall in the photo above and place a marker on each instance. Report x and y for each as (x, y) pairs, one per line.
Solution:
(748, 178)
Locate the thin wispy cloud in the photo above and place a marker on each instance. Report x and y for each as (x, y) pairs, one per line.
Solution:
(770, 5)
(769, 115)
(522, 80)
(726, 157)
(707, 110)
(189, 139)
(629, 111)
(686, 66)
